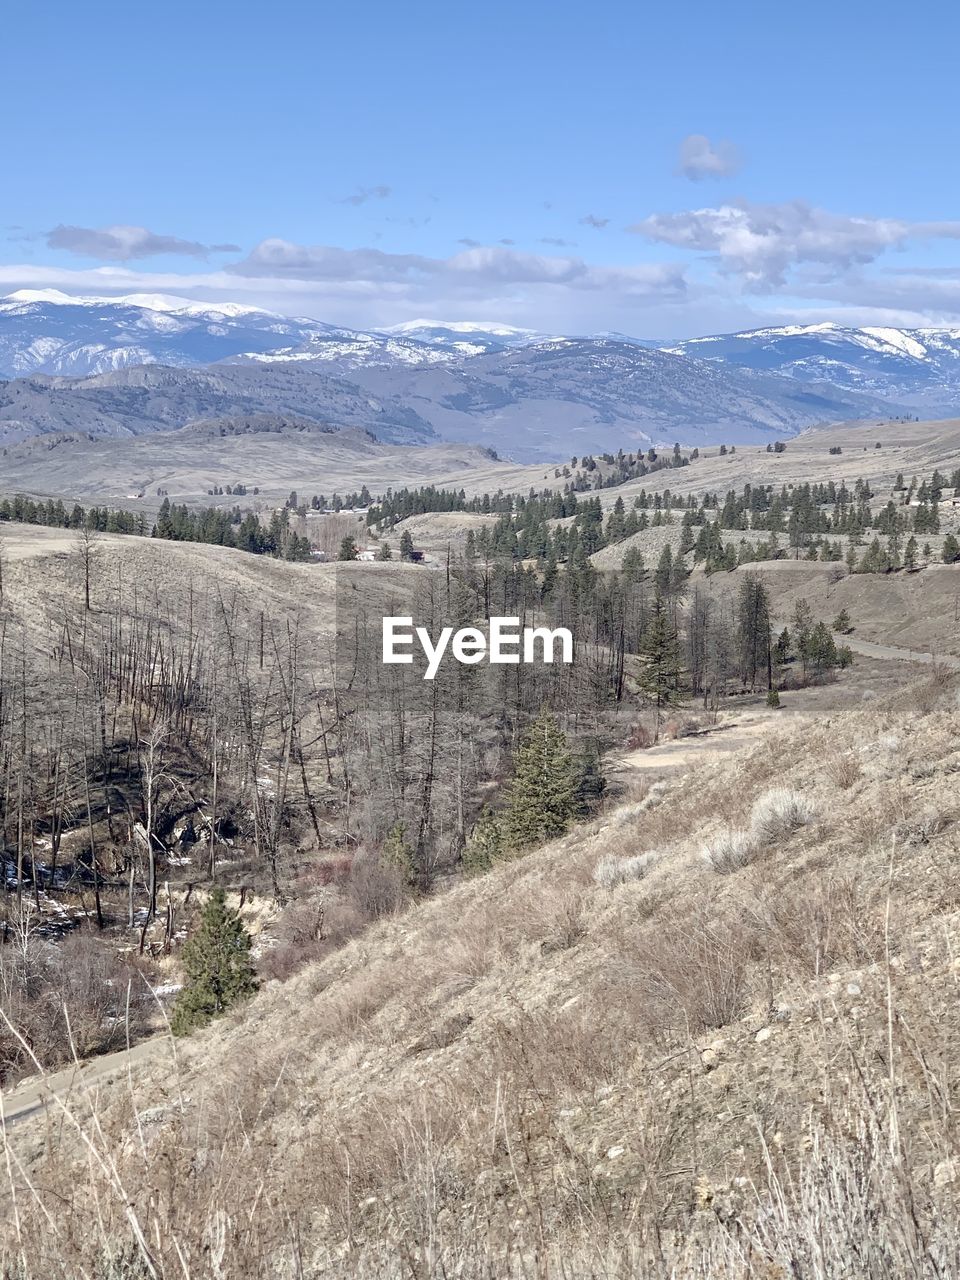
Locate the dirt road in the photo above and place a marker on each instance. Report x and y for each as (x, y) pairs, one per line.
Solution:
(77, 1083)
(892, 652)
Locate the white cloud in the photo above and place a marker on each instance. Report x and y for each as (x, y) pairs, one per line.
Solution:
(122, 243)
(700, 158)
(761, 243)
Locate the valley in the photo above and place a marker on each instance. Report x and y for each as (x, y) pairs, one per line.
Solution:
(517, 948)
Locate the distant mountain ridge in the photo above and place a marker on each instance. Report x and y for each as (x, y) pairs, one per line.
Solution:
(145, 363)
(912, 366)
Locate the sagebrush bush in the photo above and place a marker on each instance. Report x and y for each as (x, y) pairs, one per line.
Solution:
(729, 850)
(844, 770)
(778, 813)
(612, 871)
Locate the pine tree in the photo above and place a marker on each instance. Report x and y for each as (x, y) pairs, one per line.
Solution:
(217, 966)
(951, 549)
(485, 844)
(659, 675)
(542, 795)
(841, 623)
(348, 549)
(753, 625)
(406, 545)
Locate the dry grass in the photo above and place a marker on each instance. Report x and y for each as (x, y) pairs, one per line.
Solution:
(534, 1075)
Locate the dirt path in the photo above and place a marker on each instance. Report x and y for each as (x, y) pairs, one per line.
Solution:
(734, 731)
(76, 1083)
(892, 652)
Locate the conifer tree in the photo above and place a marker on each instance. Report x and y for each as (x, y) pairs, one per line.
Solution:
(659, 676)
(217, 966)
(348, 549)
(753, 619)
(542, 796)
(485, 844)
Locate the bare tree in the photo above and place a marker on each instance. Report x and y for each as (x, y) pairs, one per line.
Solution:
(86, 550)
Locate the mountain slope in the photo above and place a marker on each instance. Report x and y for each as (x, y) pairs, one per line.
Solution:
(149, 398)
(268, 452)
(914, 366)
(44, 331)
(154, 363)
(570, 396)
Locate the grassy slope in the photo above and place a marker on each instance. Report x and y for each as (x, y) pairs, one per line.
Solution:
(189, 462)
(758, 1065)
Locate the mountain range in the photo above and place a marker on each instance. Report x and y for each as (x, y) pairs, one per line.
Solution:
(145, 363)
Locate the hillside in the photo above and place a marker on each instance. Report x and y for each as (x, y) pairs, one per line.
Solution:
(684, 1074)
(273, 453)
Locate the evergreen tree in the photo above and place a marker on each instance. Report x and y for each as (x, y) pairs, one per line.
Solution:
(397, 852)
(217, 966)
(951, 549)
(841, 623)
(590, 783)
(542, 796)
(753, 625)
(406, 545)
(348, 549)
(485, 844)
(385, 553)
(659, 676)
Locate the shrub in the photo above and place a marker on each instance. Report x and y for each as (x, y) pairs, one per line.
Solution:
(375, 888)
(778, 813)
(612, 871)
(844, 771)
(729, 850)
(773, 698)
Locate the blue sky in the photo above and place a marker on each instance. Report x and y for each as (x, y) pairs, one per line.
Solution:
(664, 170)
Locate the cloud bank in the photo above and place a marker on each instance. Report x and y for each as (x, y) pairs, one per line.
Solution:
(123, 244)
(709, 269)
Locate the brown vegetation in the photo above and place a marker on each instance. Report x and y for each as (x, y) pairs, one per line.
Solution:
(534, 1074)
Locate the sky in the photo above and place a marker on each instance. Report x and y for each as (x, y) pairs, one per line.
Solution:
(658, 170)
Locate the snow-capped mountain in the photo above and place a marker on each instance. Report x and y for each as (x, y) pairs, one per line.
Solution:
(465, 337)
(919, 367)
(146, 363)
(45, 331)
